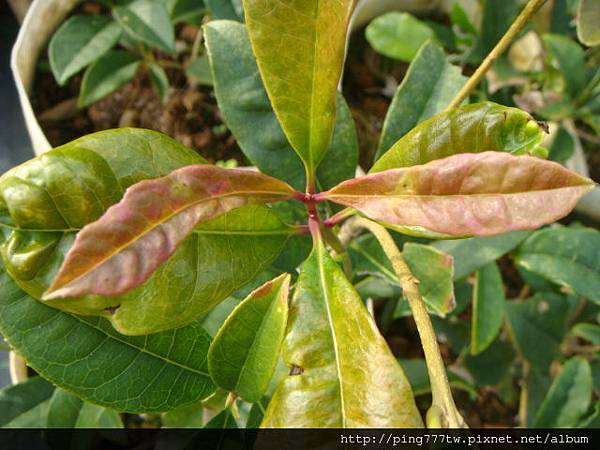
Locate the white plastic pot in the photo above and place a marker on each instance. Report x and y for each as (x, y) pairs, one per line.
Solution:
(42, 19)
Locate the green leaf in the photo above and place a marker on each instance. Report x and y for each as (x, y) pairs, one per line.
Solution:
(468, 194)
(149, 22)
(434, 270)
(398, 35)
(342, 374)
(222, 420)
(563, 146)
(588, 22)
(186, 416)
(571, 62)
(79, 41)
(225, 9)
(588, 331)
(257, 412)
(69, 411)
(569, 396)
(537, 326)
(488, 307)
(428, 86)
(430, 266)
(471, 128)
(160, 81)
(497, 18)
(416, 371)
(473, 253)
(107, 74)
(301, 79)
(565, 256)
(41, 224)
(25, 405)
(489, 367)
(244, 352)
(199, 70)
(190, 11)
(246, 108)
(86, 356)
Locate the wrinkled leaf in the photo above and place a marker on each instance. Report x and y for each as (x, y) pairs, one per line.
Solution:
(537, 326)
(299, 46)
(341, 371)
(565, 256)
(246, 108)
(473, 253)
(428, 86)
(466, 194)
(144, 229)
(148, 21)
(472, 128)
(571, 62)
(588, 22)
(107, 74)
(398, 35)
(69, 411)
(86, 356)
(569, 396)
(244, 352)
(25, 405)
(488, 307)
(587, 331)
(79, 41)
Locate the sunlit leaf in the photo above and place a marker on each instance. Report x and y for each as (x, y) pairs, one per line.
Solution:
(588, 22)
(472, 128)
(244, 352)
(79, 41)
(299, 46)
(340, 368)
(466, 194)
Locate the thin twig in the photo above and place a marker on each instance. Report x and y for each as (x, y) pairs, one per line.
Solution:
(443, 411)
(531, 7)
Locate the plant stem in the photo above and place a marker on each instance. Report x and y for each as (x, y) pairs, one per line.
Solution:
(442, 402)
(531, 7)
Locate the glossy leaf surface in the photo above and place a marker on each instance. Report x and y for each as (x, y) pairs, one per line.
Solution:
(244, 352)
(79, 41)
(569, 396)
(588, 22)
(126, 245)
(86, 356)
(148, 21)
(299, 46)
(537, 326)
(464, 195)
(428, 86)
(107, 74)
(565, 256)
(26, 404)
(472, 128)
(342, 374)
(246, 108)
(69, 411)
(488, 307)
(398, 35)
(473, 253)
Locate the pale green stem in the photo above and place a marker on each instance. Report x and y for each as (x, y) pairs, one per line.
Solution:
(443, 411)
(531, 7)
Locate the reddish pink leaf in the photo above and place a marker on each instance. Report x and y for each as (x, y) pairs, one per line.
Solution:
(469, 194)
(123, 248)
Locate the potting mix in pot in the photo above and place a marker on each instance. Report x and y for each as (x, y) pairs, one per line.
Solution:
(257, 214)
